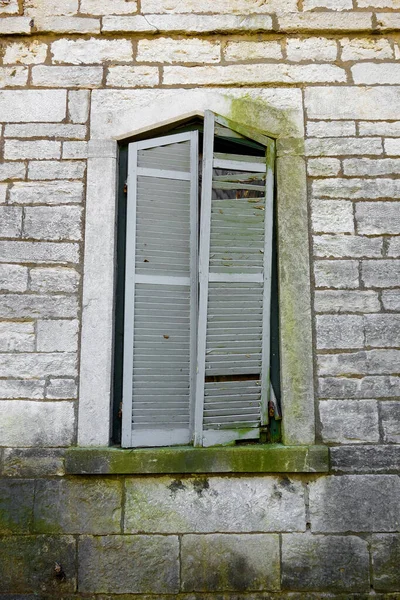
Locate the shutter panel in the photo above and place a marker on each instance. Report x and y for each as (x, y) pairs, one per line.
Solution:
(232, 388)
(161, 291)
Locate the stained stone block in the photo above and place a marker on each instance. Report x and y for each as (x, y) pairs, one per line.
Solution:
(385, 562)
(356, 503)
(230, 562)
(33, 462)
(365, 459)
(325, 563)
(16, 508)
(248, 504)
(390, 415)
(129, 564)
(80, 506)
(27, 565)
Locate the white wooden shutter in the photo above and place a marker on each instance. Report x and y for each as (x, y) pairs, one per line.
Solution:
(232, 388)
(161, 291)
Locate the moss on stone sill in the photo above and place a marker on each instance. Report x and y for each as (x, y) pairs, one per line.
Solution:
(253, 458)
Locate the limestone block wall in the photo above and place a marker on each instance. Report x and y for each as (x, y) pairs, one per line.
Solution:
(286, 537)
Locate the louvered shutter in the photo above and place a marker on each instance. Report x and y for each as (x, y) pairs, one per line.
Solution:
(232, 388)
(161, 291)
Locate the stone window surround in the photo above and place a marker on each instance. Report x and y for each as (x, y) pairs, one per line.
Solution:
(286, 126)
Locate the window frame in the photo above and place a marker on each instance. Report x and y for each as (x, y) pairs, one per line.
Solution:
(94, 425)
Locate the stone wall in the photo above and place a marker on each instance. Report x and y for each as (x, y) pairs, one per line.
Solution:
(290, 536)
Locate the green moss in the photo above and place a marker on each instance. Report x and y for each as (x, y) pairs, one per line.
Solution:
(253, 458)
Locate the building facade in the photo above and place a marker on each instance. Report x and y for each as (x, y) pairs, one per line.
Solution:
(313, 509)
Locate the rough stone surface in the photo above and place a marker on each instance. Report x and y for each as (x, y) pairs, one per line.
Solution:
(56, 170)
(174, 505)
(16, 306)
(382, 330)
(315, 49)
(61, 389)
(238, 51)
(218, 562)
(375, 386)
(33, 462)
(17, 149)
(365, 48)
(47, 192)
(356, 363)
(324, 129)
(332, 216)
(320, 562)
(381, 273)
(336, 274)
(353, 503)
(365, 459)
(46, 130)
(323, 167)
(80, 506)
(74, 150)
(390, 415)
(391, 299)
(13, 278)
(53, 222)
(347, 102)
(77, 52)
(346, 246)
(346, 301)
(27, 564)
(39, 252)
(338, 146)
(60, 279)
(85, 77)
(340, 331)
(31, 53)
(378, 217)
(78, 105)
(104, 7)
(150, 564)
(168, 50)
(10, 221)
(17, 337)
(32, 105)
(132, 76)
(22, 388)
(12, 170)
(38, 365)
(27, 423)
(349, 421)
(385, 550)
(16, 507)
(57, 336)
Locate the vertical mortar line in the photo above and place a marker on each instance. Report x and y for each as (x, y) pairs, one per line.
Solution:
(280, 560)
(307, 505)
(123, 503)
(380, 423)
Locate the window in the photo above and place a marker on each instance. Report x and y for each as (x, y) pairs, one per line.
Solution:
(197, 336)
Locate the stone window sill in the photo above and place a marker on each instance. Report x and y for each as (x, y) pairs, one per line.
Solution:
(274, 458)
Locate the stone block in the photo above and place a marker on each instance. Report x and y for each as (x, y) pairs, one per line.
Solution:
(60, 24)
(357, 188)
(239, 51)
(355, 503)
(104, 7)
(12, 389)
(78, 105)
(369, 167)
(385, 551)
(340, 331)
(17, 337)
(57, 336)
(122, 76)
(252, 74)
(84, 77)
(27, 565)
(167, 50)
(74, 150)
(9, 7)
(377, 4)
(22, 306)
(378, 217)
(365, 459)
(336, 273)
(150, 564)
(390, 417)
(331, 4)
(27, 423)
(61, 389)
(323, 167)
(332, 216)
(38, 366)
(349, 421)
(241, 7)
(331, 129)
(10, 221)
(366, 48)
(31, 53)
(339, 146)
(50, 130)
(218, 562)
(135, 24)
(325, 563)
(33, 462)
(15, 25)
(53, 222)
(13, 278)
(32, 105)
(375, 386)
(202, 505)
(3, 192)
(386, 128)
(392, 147)
(380, 273)
(394, 247)
(12, 170)
(78, 506)
(13, 76)
(391, 299)
(337, 301)
(92, 51)
(51, 170)
(370, 73)
(350, 102)
(35, 8)
(347, 246)
(382, 330)
(16, 507)
(59, 279)
(18, 149)
(325, 21)
(311, 49)
(51, 192)
(378, 362)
